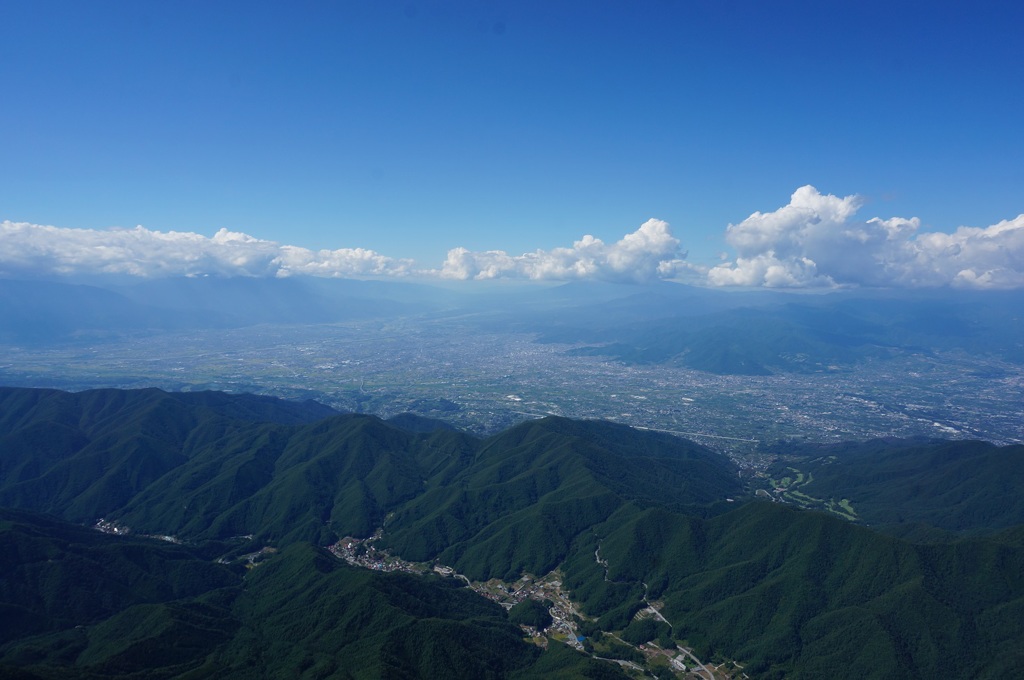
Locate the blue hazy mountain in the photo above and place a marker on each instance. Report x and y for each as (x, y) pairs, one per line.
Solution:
(752, 332)
(765, 333)
(43, 312)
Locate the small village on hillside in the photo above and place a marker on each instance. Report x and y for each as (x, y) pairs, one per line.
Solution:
(645, 660)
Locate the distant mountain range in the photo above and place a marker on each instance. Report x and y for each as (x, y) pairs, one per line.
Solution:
(627, 517)
(797, 334)
(61, 312)
(752, 333)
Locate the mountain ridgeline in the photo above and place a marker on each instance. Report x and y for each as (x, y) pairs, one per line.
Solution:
(627, 516)
(730, 333)
(763, 335)
(203, 467)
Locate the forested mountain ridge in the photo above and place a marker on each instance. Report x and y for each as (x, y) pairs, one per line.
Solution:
(80, 604)
(172, 464)
(915, 488)
(627, 518)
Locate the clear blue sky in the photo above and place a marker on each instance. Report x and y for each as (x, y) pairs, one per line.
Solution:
(413, 127)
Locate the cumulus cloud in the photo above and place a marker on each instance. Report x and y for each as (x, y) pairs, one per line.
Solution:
(648, 253)
(816, 241)
(35, 249)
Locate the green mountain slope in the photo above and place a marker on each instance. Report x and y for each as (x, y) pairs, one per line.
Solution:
(902, 486)
(333, 478)
(84, 455)
(80, 604)
(57, 575)
(802, 594)
(628, 518)
(533, 489)
(176, 464)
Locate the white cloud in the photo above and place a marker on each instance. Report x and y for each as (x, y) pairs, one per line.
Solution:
(648, 253)
(815, 241)
(35, 249)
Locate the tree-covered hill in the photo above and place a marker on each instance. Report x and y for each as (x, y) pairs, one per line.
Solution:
(914, 487)
(803, 594)
(530, 491)
(57, 575)
(628, 518)
(80, 604)
(216, 466)
(84, 455)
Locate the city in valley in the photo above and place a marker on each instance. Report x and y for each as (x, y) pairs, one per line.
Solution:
(484, 381)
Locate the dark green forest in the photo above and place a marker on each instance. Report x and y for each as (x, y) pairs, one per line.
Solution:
(916, 487)
(784, 591)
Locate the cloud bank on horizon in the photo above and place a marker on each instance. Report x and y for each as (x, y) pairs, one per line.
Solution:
(814, 241)
(32, 249)
(650, 252)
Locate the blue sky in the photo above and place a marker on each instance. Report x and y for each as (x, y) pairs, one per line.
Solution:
(411, 128)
